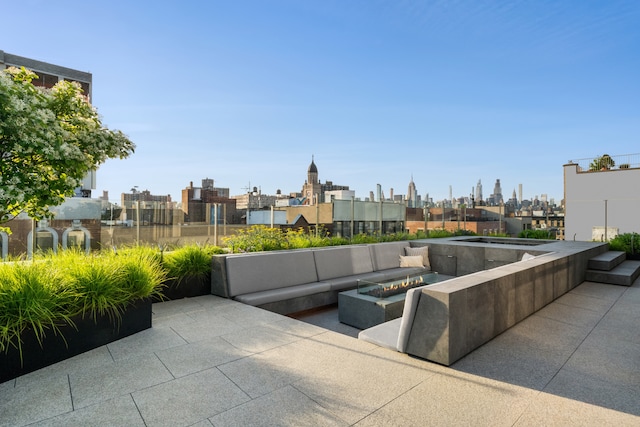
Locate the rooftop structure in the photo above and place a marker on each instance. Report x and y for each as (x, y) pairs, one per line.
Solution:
(601, 197)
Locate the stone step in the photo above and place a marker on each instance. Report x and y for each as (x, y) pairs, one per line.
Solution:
(624, 274)
(607, 261)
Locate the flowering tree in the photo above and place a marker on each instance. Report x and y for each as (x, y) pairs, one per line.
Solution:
(49, 140)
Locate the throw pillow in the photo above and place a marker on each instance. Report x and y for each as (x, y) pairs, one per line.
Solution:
(527, 256)
(423, 251)
(411, 261)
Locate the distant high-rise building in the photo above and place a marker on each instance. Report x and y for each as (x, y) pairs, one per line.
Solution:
(195, 200)
(513, 201)
(496, 197)
(412, 195)
(479, 192)
(520, 192)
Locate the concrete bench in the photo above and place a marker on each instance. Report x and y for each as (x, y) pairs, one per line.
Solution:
(290, 281)
(445, 321)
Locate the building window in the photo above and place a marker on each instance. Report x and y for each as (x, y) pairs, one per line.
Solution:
(45, 80)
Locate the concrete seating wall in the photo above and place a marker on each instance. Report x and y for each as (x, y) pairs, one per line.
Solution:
(296, 280)
(445, 321)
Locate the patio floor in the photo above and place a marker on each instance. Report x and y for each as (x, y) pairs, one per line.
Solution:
(209, 361)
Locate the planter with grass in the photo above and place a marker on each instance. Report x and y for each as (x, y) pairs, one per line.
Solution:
(188, 271)
(628, 243)
(60, 307)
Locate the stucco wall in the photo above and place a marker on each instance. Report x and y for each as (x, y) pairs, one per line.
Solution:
(585, 194)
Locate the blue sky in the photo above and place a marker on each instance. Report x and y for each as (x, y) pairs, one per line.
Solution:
(449, 92)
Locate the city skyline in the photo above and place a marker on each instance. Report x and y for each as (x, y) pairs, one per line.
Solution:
(379, 92)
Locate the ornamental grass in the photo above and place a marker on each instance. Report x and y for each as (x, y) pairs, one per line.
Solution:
(46, 294)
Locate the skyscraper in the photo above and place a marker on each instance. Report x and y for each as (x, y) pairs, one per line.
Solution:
(412, 195)
(496, 197)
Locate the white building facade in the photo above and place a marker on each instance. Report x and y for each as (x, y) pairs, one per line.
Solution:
(601, 203)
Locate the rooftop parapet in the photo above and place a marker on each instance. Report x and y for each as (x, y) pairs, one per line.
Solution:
(606, 162)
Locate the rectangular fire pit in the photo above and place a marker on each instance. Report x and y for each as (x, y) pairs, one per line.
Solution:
(373, 303)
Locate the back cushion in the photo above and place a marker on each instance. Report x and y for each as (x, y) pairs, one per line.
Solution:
(342, 261)
(387, 255)
(269, 270)
(422, 251)
(408, 314)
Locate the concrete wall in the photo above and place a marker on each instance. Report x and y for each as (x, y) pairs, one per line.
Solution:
(457, 316)
(585, 194)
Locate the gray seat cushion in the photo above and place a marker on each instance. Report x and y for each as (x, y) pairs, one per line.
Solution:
(282, 294)
(384, 334)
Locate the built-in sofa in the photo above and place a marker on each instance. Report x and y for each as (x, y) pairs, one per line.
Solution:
(445, 321)
(291, 281)
(496, 284)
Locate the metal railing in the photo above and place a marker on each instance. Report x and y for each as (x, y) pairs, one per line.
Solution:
(607, 162)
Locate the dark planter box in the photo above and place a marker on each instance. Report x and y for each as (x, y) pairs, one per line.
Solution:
(87, 335)
(634, 257)
(187, 287)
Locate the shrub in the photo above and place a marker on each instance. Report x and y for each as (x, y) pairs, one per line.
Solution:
(537, 234)
(626, 242)
(32, 296)
(190, 260)
(603, 162)
(47, 293)
(255, 239)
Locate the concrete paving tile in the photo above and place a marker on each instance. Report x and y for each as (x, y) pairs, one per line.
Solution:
(607, 358)
(620, 323)
(587, 302)
(625, 311)
(206, 325)
(190, 306)
(189, 358)
(360, 384)
(599, 290)
(169, 321)
(520, 364)
(124, 376)
(171, 308)
(273, 369)
(631, 295)
(263, 373)
(405, 359)
(540, 332)
(385, 418)
(454, 400)
(623, 330)
(91, 359)
(327, 318)
(572, 314)
(120, 411)
(34, 397)
(551, 408)
(284, 407)
(339, 341)
(259, 338)
(296, 327)
(248, 315)
(144, 343)
(188, 400)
